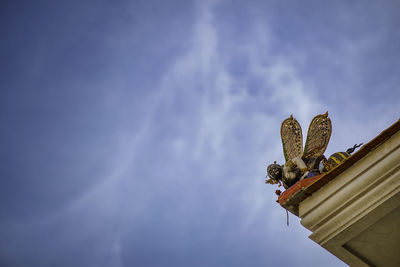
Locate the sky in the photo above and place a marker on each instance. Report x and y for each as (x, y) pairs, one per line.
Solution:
(137, 133)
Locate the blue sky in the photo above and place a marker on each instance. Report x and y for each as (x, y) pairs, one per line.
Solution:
(137, 133)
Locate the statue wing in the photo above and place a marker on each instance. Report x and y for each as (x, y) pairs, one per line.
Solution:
(292, 138)
(318, 135)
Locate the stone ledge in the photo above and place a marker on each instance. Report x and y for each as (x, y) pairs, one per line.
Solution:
(291, 198)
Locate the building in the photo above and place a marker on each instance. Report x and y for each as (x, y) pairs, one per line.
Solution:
(353, 211)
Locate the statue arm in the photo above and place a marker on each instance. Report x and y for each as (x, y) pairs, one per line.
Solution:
(295, 162)
(300, 164)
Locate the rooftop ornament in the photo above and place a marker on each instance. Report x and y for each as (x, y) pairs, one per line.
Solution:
(311, 162)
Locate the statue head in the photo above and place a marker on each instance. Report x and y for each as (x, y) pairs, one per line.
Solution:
(274, 171)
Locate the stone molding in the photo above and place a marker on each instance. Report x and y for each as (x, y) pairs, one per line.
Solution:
(356, 199)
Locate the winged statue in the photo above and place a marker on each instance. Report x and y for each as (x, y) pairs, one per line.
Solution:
(301, 163)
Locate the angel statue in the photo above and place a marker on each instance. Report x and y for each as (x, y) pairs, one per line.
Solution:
(301, 164)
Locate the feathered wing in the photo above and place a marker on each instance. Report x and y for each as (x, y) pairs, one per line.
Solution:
(318, 135)
(292, 138)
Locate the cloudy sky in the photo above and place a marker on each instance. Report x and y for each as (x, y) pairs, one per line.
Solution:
(137, 133)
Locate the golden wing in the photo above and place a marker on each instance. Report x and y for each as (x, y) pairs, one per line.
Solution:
(292, 138)
(318, 135)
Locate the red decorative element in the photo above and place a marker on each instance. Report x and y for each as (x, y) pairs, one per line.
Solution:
(296, 187)
(278, 192)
